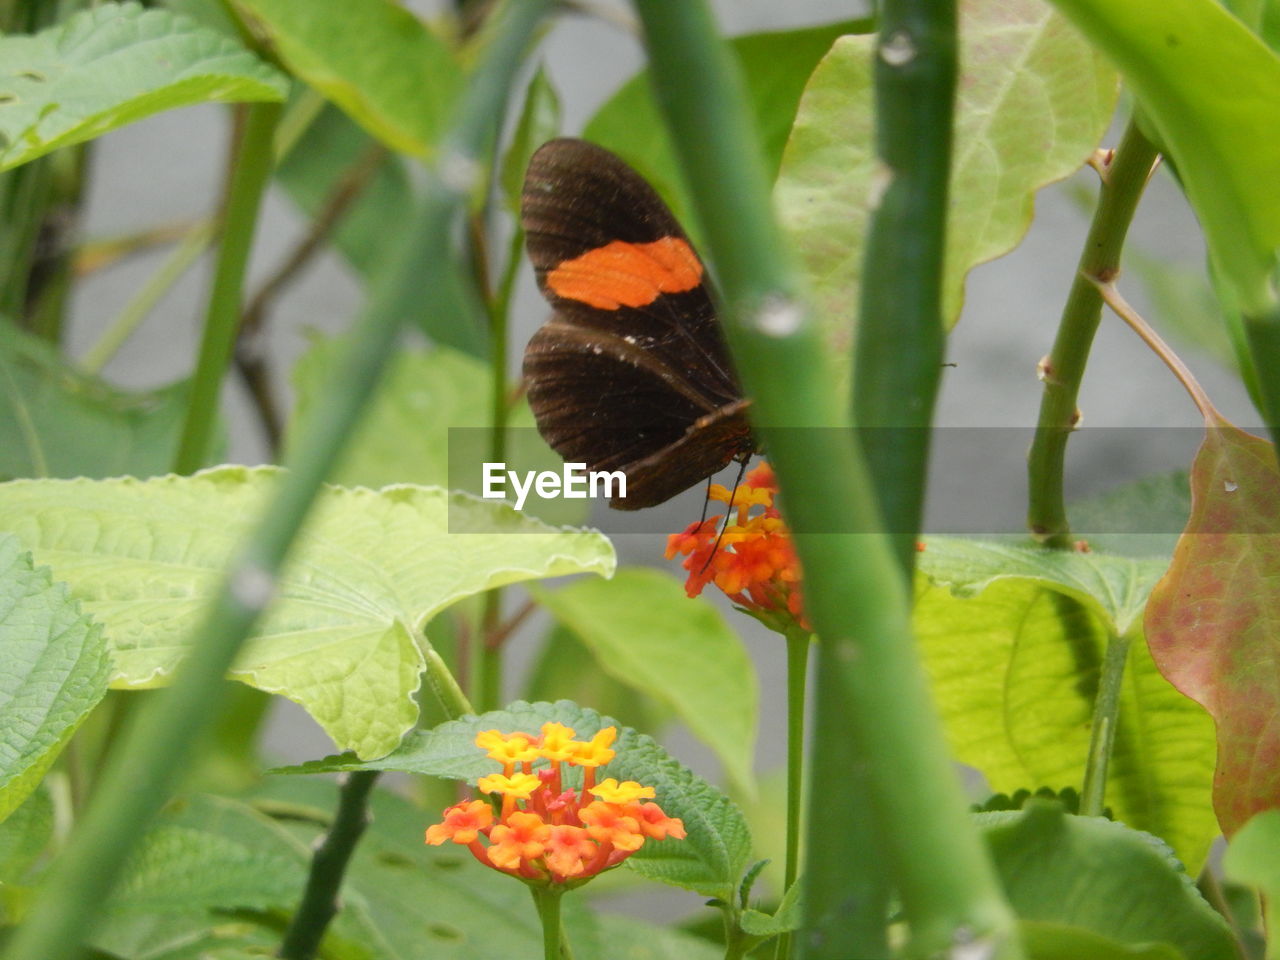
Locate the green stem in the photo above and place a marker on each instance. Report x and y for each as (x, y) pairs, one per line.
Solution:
(798, 642)
(24, 198)
(445, 687)
(870, 688)
(547, 900)
(250, 172)
(1123, 179)
(487, 656)
(193, 244)
(328, 865)
(161, 737)
(901, 340)
(1106, 716)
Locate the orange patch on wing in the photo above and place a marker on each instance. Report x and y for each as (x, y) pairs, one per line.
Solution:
(623, 274)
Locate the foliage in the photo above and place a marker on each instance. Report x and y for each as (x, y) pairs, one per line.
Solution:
(1117, 697)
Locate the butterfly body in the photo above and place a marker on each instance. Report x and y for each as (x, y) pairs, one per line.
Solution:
(632, 372)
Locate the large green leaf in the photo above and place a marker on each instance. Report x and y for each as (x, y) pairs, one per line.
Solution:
(58, 422)
(319, 163)
(373, 58)
(343, 636)
(710, 860)
(1104, 878)
(1208, 87)
(1013, 640)
(111, 65)
(55, 671)
(428, 423)
(775, 67)
(1032, 101)
(644, 632)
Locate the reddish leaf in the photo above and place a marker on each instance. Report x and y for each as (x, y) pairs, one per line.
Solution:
(1213, 620)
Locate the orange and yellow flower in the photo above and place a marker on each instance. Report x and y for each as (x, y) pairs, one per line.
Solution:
(546, 833)
(754, 562)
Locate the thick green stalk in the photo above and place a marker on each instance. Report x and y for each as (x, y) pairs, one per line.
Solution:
(870, 687)
(328, 864)
(798, 642)
(547, 901)
(901, 340)
(249, 176)
(162, 737)
(1102, 734)
(1123, 180)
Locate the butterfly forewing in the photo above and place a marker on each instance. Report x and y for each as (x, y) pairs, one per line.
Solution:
(633, 365)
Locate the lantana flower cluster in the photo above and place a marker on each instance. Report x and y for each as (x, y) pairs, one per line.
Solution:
(545, 832)
(754, 562)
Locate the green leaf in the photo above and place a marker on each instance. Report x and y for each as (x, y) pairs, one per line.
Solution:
(710, 860)
(539, 122)
(775, 67)
(23, 838)
(55, 671)
(58, 422)
(1013, 655)
(404, 437)
(185, 891)
(645, 632)
(428, 423)
(565, 669)
(331, 147)
(344, 633)
(637, 940)
(1116, 587)
(1138, 519)
(1033, 100)
(111, 65)
(1221, 134)
(1214, 619)
(1103, 877)
(373, 58)
(1253, 858)
(1056, 941)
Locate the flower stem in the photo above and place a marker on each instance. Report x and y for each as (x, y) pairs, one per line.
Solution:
(547, 900)
(250, 172)
(870, 689)
(798, 642)
(320, 900)
(158, 744)
(1124, 176)
(1102, 734)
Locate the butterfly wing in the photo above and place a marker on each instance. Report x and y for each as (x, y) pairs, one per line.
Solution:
(633, 364)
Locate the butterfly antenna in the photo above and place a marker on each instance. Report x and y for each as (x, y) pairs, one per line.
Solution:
(706, 502)
(742, 468)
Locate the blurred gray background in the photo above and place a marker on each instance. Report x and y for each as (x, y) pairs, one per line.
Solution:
(169, 168)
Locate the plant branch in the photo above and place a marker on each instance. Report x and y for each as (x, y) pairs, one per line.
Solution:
(146, 767)
(870, 688)
(1108, 292)
(328, 865)
(1124, 175)
(250, 171)
(194, 243)
(798, 642)
(251, 355)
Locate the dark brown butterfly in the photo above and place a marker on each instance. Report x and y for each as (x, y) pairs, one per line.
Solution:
(632, 372)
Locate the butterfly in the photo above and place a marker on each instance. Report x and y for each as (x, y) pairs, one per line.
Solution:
(632, 372)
